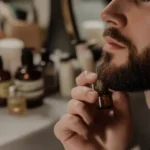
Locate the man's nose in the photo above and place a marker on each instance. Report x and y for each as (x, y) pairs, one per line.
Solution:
(113, 14)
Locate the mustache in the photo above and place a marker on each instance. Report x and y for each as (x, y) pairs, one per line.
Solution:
(115, 34)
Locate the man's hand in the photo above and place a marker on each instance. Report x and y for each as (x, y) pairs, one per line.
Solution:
(85, 128)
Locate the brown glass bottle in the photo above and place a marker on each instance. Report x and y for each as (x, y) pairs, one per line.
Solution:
(49, 73)
(29, 80)
(5, 83)
(105, 96)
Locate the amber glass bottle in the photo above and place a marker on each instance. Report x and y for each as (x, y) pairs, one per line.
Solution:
(16, 102)
(105, 96)
(49, 73)
(29, 80)
(5, 82)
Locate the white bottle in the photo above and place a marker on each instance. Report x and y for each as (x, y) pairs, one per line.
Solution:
(85, 57)
(88, 61)
(66, 77)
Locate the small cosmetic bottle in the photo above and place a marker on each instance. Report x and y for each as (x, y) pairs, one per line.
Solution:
(16, 102)
(29, 80)
(66, 77)
(49, 73)
(105, 96)
(5, 83)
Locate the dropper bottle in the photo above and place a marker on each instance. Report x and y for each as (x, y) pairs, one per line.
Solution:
(16, 101)
(105, 96)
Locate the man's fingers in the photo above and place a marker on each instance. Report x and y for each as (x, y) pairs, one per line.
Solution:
(68, 126)
(86, 78)
(84, 110)
(121, 103)
(84, 93)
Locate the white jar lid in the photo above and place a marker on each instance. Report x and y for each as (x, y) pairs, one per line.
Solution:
(11, 43)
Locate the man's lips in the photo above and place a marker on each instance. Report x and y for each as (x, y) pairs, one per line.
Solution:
(113, 44)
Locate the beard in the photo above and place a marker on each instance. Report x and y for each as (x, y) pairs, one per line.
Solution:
(133, 76)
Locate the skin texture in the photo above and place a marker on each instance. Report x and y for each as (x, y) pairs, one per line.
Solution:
(83, 127)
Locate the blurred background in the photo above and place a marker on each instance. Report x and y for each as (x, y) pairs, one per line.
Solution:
(42, 44)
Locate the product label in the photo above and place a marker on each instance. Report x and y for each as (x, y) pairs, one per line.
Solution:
(32, 95)
(4, 87)
(28, 86)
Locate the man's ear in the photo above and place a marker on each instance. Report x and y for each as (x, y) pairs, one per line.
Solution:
(147, 97)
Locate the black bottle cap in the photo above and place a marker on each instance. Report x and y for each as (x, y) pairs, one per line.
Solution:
(27, 56)
(1, 62)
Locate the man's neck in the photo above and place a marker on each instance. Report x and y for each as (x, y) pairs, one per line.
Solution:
(147, 97)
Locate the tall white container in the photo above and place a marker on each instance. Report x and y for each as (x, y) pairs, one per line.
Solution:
(85, 57)
(10, 50)
(66, 77)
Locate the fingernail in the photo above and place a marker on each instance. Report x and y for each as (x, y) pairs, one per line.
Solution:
(90, 75)
(92, 95)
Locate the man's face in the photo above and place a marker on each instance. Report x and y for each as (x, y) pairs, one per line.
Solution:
(126, 60)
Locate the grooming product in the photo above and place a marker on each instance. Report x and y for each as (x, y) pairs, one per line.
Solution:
(66, 77)
(29, 80)
(105, 96)
(10, 50)
(5, 83)
(49, 73)
(16, 102)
